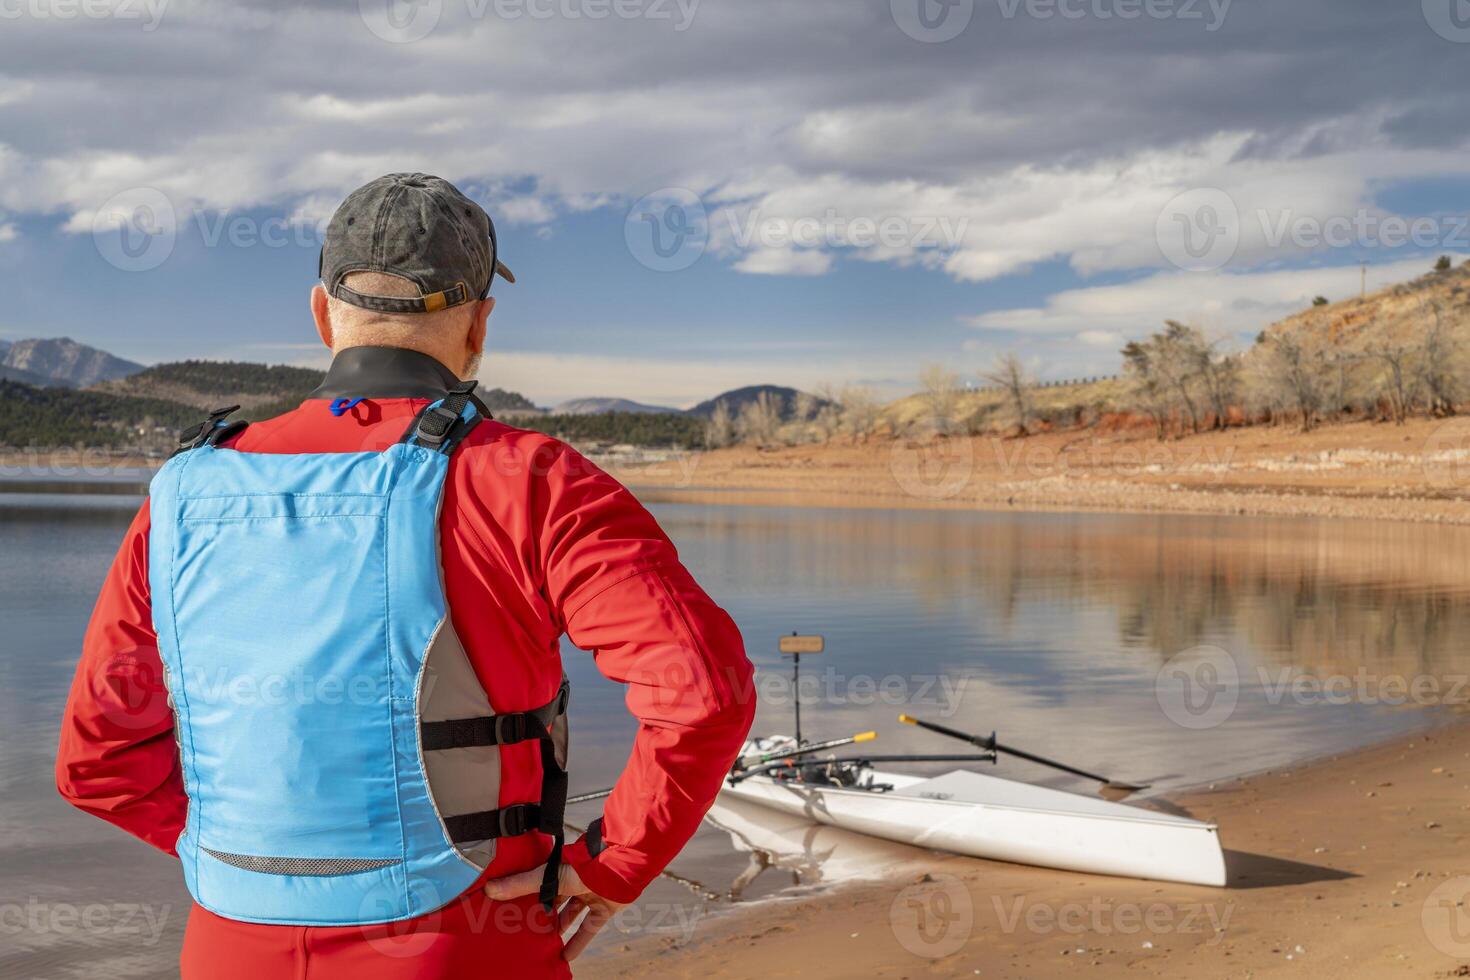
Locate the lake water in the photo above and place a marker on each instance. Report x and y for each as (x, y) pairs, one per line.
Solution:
(1173, 649)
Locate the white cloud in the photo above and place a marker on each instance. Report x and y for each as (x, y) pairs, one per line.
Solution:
(1222, 302)
(8, 232)
(797, 111)
(785, 262)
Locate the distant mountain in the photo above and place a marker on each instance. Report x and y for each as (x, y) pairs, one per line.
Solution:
(4, 346)
(63, 361)
(738, 398)
(596, 406)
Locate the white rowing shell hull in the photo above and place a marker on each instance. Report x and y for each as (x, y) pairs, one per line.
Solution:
(1003, 820)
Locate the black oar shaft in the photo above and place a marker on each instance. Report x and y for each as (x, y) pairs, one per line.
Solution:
(989, 742)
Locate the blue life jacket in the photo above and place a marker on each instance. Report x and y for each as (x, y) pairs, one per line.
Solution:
(340, 757)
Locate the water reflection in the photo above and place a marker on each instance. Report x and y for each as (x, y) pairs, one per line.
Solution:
(1049, 627)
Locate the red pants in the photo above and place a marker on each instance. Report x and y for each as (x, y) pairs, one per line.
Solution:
(473, 937)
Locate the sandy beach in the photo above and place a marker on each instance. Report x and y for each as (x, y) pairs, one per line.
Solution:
(1351, 867)
(1418, 471)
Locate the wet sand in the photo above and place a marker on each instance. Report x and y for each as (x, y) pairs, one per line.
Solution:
(1356, 866)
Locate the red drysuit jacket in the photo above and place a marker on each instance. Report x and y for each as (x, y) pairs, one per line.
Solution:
(536, 542)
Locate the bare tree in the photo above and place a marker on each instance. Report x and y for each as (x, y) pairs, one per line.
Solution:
(940, 389)
(828, 417)
(1292, 373)
(1442, 361)
(760, 418)
(1401, 356)
(804, 406)
(1009, 374)
(859, 411)
(1145, 387)
(719, 431)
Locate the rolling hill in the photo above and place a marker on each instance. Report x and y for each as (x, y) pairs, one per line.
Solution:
(737, 398)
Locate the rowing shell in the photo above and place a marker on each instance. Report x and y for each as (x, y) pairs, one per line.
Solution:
(1000, 819)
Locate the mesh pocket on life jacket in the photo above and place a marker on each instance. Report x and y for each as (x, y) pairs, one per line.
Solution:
(316, 867)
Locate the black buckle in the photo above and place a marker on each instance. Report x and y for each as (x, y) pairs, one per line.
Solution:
(516, 820)
(517, 725)
(432, 438)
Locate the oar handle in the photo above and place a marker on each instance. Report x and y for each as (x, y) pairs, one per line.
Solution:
(979, 741)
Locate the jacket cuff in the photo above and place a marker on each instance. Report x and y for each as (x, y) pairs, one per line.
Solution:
(601, 871)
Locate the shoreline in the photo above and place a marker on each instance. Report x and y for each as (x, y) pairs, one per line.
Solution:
(1418, 472)
(1346, 866)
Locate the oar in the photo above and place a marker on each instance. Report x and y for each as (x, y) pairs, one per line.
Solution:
(834, 743)
(831, 743)
(775, 760)
(989, 742)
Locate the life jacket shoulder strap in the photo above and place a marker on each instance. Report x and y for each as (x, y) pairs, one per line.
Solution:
(443, 424)
(212, 431)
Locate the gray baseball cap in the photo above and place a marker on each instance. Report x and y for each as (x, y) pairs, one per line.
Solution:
(418, 227)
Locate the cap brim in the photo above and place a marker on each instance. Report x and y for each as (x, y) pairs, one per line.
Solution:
(504, 272)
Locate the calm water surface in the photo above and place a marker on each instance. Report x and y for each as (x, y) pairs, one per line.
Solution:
(1073, 635)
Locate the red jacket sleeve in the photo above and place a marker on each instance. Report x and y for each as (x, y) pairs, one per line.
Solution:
(117, 758)
(615, 581)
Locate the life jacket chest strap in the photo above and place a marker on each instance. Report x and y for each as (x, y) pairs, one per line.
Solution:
(547, 816)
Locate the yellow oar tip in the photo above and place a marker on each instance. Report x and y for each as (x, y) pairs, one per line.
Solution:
(907, 720)
(865, 737)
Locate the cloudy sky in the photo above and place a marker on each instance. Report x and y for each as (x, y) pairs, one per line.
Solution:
(698, 194)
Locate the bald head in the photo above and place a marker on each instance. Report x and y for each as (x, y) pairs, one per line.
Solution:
(455, 337)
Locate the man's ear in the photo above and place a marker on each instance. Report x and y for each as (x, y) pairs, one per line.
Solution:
(320, 315)
(476, 339)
